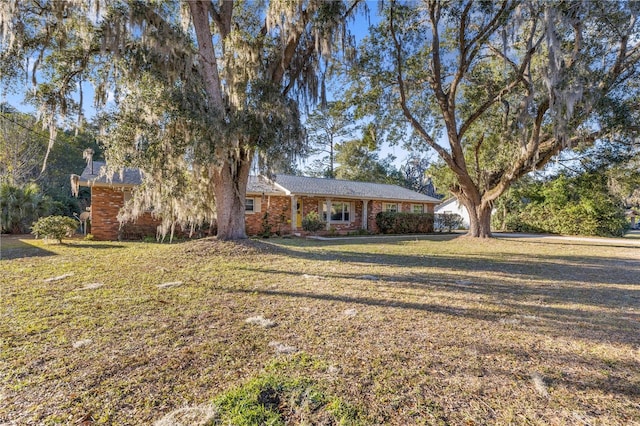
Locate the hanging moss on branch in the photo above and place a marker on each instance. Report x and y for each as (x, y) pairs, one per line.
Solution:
(197, 89)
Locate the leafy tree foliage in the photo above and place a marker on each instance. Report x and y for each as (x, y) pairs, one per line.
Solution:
(415, 174)
(22, 146)
(497, 89)
(327, 126)
(197, 88)
(20, 206)
(358, 160)
(573, 205)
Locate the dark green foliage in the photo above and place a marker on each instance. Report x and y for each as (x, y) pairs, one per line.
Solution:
(581, 205)
(404, 222)
(312, 223)
(359, 160)
(20, 206)
(448, 221)
(54, 227)
(266, 226)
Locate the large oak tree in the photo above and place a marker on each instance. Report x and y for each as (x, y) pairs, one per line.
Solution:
(193, 90)
(498, 89)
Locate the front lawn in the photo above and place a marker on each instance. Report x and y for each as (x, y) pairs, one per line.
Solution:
(443, 330)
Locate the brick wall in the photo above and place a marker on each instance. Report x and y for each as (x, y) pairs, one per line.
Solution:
(106, 202)
(105, 205)
(279, 217)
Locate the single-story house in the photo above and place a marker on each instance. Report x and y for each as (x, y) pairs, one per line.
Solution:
(453, 206)
(343, 205)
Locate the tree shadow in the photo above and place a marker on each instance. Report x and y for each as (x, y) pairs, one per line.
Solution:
(559, 295)
(17, 247)
(563, 268)
(97, 246)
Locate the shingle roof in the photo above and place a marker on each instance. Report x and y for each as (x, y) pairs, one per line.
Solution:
(93, 175)
(301, 185)
(282, 184)
(261, 185)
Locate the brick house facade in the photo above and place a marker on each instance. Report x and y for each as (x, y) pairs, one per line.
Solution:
(272, 206)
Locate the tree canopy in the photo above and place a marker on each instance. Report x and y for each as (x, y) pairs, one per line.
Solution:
(192, 90)
(327, 126)
(497, 89)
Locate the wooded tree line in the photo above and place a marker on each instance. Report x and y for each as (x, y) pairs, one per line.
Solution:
(192, 92)
(26, 191)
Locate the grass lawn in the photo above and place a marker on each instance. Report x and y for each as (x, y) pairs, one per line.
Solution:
(443, 330)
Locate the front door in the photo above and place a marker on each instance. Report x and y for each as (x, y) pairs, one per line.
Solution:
(299, 213)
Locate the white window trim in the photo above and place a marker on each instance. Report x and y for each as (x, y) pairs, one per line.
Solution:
(413, 207)
(257, 204)
(323, 206)
(386, 207)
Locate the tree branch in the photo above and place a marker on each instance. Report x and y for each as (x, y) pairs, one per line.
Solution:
(209, 64)
(403, 97)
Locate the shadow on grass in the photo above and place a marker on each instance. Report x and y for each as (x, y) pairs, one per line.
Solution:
(580, 297)
(17, 247)
(562, 268)
(93, 245)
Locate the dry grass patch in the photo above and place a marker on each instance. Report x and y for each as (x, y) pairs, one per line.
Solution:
(450, 331)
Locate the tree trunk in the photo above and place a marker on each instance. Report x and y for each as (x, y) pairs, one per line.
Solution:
(480, 220)
(230, 188)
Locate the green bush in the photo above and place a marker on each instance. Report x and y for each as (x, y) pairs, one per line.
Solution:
(448, 221)
(54, 227)
(267, 227)
(404, 222)
(578, 205)
(312, 223)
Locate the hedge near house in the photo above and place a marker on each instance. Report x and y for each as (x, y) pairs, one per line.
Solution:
(404, 223)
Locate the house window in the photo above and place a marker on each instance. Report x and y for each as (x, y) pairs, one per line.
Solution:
(391, 207)
(249, 205)
(418, 208)
(340, 212)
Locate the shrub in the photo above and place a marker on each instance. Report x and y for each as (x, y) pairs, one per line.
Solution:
(266, 226)
(386, 221)
(54, 227)
(578, 205)
(404, 223)
(312, 223)
(448, 221)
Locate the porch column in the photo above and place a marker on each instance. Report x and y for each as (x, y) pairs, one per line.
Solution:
(365, 214)
(294, 213)
(328, 201)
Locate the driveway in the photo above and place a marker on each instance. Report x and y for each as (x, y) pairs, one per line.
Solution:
(632, 238)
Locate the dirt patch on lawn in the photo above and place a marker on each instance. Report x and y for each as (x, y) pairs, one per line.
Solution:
(211, 246)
